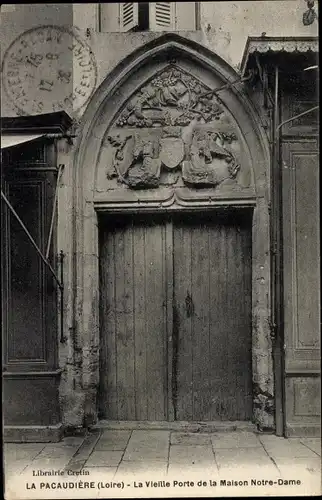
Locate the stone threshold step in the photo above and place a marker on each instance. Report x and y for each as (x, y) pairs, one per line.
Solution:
(214, 426)
(32, 433)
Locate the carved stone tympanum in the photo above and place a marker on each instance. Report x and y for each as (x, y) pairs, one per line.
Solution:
(173, 123)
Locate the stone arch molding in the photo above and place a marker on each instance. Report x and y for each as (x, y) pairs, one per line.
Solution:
(153, 124)
(147, 139)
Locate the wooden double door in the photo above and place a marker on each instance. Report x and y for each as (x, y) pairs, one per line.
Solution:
(175, 309)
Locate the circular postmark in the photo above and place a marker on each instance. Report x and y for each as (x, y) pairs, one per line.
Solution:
(49, 68)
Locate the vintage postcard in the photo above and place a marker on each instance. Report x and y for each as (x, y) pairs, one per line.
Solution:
(160, 249)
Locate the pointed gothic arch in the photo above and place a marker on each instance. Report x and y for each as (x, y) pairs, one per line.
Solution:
(144, 62)
(124, 82)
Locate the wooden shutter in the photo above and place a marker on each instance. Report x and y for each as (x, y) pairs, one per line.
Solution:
(129, 16)
(162, 16)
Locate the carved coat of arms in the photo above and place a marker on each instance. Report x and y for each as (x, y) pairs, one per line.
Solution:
(171, 147)
(173, 123)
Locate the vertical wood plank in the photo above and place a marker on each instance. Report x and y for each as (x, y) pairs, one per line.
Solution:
(108, 332)
(120, 322)
(217, 318)
(156, 372)
(200, 335)
(182, 325)
(169, 282)
(126, 346)
(239, 357)
(235, 336)
(140, 353)
(233, 333)
(103, 334)
(246, 260)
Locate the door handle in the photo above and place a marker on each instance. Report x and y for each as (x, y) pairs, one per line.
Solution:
(190, 308)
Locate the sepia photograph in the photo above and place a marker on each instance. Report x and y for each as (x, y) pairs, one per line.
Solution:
(160, 249)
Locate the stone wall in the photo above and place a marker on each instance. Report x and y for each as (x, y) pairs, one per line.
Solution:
(225, 27)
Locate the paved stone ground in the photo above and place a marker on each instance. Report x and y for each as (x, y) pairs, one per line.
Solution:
(161, 454)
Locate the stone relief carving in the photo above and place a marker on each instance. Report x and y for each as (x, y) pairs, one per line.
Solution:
(171, 98)
(210, 161)
(122, 155)
(173, 124)
(144, 170)
(136, 161)
(309, 15)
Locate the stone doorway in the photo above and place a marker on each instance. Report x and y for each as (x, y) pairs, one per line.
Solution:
(220, 161)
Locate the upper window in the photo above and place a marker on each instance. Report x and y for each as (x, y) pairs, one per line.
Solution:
(7, 7)
(147, 16)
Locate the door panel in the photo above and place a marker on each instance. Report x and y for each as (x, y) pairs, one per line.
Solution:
(30, 315)
(176, 318)
(133, 321)
(301, 256)
(212, 295)
(301, 264)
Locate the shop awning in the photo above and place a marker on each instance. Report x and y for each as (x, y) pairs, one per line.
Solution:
(17, 130)
(283, 47)
(10, 140)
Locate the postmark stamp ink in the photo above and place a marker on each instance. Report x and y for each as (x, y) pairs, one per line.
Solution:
(49, 68)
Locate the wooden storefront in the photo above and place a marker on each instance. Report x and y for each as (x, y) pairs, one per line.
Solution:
(31, 316)
(289, 83)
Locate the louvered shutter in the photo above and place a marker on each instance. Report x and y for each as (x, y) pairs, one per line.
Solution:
(129, 16)
(162, 16)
